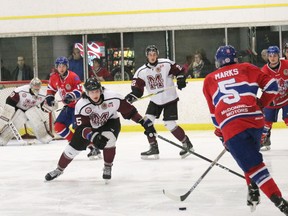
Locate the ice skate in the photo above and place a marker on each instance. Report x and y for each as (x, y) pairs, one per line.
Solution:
(152, 153)
(53, 174)
(94, 154)
(107, 173)
(280, 203)
(253, 197)
(266, 144)
(187, 145)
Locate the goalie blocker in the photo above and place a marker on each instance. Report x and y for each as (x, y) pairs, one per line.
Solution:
(32, 117)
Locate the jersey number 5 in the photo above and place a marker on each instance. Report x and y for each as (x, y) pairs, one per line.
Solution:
(230, 95)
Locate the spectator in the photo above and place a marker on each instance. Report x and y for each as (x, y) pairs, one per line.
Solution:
(5, 73)
(200, 67)
(22, 71)
(264, 55)
(285, 51)
(76, 63)
(189, 60)
(99, 72)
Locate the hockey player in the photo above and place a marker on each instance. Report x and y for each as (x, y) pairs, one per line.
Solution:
(20, 108)
(277, 68)
(68, 85)
(231, 94)
(156, 75)
(98, 122)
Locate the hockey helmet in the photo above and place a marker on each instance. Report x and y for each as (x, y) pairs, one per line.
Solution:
(151, 48)
(35, 85)
(92, 84)
(62, 60)
(273, 50)
(225, 55)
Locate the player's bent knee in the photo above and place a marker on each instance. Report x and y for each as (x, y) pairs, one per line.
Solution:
(170, 125)
(111, 138)
(70, 152)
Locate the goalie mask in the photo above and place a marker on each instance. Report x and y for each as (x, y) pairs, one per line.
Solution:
(35, 85)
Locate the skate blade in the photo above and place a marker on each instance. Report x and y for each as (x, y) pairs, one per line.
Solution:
(265, 148)
(95, 157)
(150, 157)
(106, 181)
(187, 153)
(252, 205)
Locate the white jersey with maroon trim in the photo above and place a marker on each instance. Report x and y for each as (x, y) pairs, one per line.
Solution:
(97, 115)
(157, 78)
(25, 100)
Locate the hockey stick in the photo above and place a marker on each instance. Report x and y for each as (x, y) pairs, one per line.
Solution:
(16, 133)
(159, 92)
(184, 196)
(201, 156)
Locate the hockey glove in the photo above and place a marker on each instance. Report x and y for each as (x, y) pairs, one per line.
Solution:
(69, 98)
(50, 100)
(218, 133)
(148, 126)
(181, 81)
(131, 98)
(98, 140)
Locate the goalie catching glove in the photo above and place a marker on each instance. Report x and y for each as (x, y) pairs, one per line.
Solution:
(148, 126)
(49, 104)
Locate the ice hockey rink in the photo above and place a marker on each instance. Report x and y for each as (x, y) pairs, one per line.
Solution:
(136, 185)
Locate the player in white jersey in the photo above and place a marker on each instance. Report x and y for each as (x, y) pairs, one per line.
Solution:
(157, 75)
(97, 120)
(21, 108)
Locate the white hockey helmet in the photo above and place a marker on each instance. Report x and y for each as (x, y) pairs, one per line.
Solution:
(35, 85)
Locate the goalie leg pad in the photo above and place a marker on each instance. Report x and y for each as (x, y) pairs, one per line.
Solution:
(38, 124)
(6, 114)
(6, 135)
(19, 119)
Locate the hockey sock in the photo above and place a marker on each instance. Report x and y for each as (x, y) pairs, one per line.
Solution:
(109, 154)
(179, 133)
(261, 176)
(63, 131)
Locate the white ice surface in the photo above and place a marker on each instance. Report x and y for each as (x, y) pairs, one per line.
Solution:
(136, 185)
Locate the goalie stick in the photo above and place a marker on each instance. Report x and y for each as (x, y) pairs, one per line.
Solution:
(16, 133)
(184, 196)
(201, 156)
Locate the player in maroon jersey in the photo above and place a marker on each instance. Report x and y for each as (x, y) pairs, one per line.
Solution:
(231, 94)
(98, 122)
(277, 68)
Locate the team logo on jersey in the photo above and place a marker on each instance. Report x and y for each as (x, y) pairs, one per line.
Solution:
(88, 110)
(99, 120)
(68, 86)
(158, 69)
(285, 72)
(104, 106)
(24, 95)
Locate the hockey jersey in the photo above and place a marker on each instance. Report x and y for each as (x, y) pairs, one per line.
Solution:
(95, 116)
(71, 83)
(231, 94)
(281, 75)
(156, 78)
(24, 99)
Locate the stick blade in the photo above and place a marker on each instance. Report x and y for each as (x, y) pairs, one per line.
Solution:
(172, 196)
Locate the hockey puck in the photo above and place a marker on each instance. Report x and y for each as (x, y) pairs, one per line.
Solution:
(182, 208)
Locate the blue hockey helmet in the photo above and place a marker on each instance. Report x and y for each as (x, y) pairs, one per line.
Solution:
(273, 50)
(62, 60)
(225, 55)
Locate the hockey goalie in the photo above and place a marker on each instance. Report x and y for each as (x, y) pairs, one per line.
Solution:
(22, 108)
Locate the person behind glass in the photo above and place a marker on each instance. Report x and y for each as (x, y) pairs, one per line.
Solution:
(189, 60)
(76, 63)
(5, 73)
(99, 72)
(277, 68)
(199, 68)
(231, 94)
(157, 75)
(22, 71)
(97, 118)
